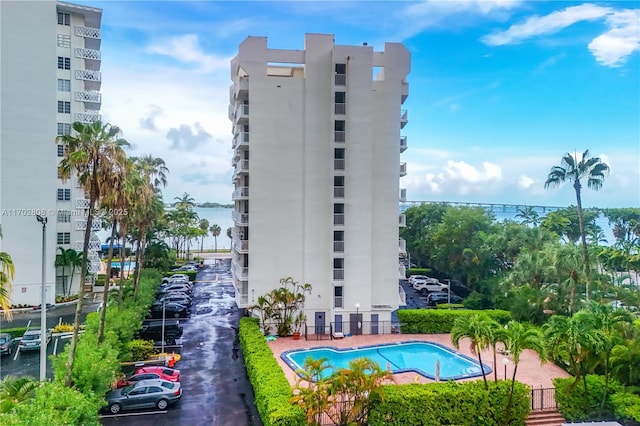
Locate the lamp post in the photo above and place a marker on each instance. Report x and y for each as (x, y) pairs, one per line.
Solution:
(505, 361)
(43, 302)
(449, 293)
(358, 318)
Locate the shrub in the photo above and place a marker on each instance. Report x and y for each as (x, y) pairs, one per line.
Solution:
(139, 350)
(432, 321)
(626, 407)
(270, 385)
(14, 332)
(576, 404)
(417, 271)
(63, 328)
(450, 403)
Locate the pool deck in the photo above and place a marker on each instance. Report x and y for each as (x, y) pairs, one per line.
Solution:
(530, 370)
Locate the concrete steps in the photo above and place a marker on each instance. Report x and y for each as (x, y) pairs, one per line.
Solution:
(545, 418)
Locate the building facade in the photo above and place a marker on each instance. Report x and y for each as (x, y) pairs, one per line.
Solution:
(50, 78)
(317, 143)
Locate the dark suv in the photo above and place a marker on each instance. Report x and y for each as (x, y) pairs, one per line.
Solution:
(152, 330)
(434, 299)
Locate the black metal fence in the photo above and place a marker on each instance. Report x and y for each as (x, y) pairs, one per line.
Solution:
(543, 399)
(338, 330)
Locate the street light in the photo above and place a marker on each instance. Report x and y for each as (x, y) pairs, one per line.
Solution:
(359, 324)
(505, 361)
(43, 301)
(449, 293)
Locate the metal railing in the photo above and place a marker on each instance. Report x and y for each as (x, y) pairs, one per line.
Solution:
(543, 399)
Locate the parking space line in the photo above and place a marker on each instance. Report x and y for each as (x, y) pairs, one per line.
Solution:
(111, 416)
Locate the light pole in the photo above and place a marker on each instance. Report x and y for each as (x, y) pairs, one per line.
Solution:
(505, 361)
(43, 302)
(449, 293)
(358, 318)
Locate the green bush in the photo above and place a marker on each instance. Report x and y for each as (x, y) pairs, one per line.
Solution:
(417, 271)
(432, 321)
(14, 332)
(626, 406)
(450, 403)
(270, 386)
(577, 405)
(139, 350)
(450, 306)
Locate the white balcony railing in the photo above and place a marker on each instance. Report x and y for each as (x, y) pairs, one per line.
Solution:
(241, 138)
(241, 246)
(403, 169)
(82, 203)
(240, 272)
(402, 221)
(88, 117)
(89, 96)
(88, 75)
(81, 225)
(403, 144)
(87, 32)
(402, 245)
(403, 195)
(403, 118)
(87, 53)
(240, 193)
(402, 295)
(93, 246)
(404, 91)
(240, 218)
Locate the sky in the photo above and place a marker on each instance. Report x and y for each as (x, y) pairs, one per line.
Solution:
(499, 91)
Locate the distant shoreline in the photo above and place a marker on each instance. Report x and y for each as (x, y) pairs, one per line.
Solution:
(205, 206)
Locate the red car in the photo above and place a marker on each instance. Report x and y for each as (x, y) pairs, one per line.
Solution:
(152, 372)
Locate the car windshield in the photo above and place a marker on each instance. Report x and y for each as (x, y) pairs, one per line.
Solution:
(3, 340)
(168, 385)
(127, 389)
(33, 336)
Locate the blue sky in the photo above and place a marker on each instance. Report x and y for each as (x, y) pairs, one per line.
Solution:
(499, 90)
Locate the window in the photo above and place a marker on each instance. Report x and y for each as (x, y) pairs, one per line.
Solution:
(64, 194)
(338, 214)
(60, 150)
(63, 238)
(341, 75)
(64, 18)
(64, 129)
(340, 103)
(64, 63)
(338, 186)
(64, 216)
(338, 241)
(338, 269)
(64, 107)
(64, 85)
(338, 159)
(337, 297)
(338, 130)
(64, 40)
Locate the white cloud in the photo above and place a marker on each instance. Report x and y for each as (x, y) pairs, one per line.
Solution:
(610, 48)
(186, 48)
(525, 182)
(623, 38)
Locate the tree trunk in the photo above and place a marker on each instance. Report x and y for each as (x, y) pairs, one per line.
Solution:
(139, 258)
(122, 255)
(510, 400)
(484, 375)
(495, 365)
(83, 277)
(107, 281)
(585, 251)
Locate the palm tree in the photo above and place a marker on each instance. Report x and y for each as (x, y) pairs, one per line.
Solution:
(91, 153)
(215, 232)
(16, 390)
(517, 338)
(477, 329)
(204, 226)
(62, 261)
(529, 215)
(75, 261)
(7, 272)
(572, 170)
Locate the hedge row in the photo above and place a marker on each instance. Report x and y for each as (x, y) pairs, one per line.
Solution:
(451, 403)
(270, 386)
(190, 274)
(432, 321)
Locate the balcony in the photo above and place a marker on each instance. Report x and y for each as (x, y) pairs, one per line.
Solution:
(404, 92)
(240, 272)
(88, 75)
(338, 218)
(241, 89)
(403, 118)
(241, 140)
(340, 108)
(403, 195)
(89, 96)
(82, 203)
(403, 169)
(241, 193)
(240, 218)
(81, 225)
(340, 80)
(402, 245)
(402, 295)
(338, 247)
(403, 144)
(402, 221)
(241, 114)
(87, 32)
(241, 167)
(402, 271)
(88, 117)
(91, 54)
(338, 164)
(93, 246)
(241, 246)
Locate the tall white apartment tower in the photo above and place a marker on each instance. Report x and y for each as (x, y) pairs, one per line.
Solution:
(316, 139)
(50, 78)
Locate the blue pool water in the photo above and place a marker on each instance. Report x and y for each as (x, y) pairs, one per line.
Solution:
(417, 356)
(127, 265)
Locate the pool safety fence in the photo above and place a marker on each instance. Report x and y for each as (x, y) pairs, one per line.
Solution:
(339, 330)
(543, 399)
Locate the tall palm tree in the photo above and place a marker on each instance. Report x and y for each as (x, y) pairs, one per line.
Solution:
(477, 329)
(16, 390)
(7, 272)
(91, 152)
(204, 226)
(62, 261)
(529, 216)
(215, 232)
(572, 170)
(75, 261)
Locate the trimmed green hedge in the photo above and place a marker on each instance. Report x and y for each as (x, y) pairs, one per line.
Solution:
(433, 321)
(418, 271)
(270, 386)
(450, 403)
(190, 274)
(14, 332)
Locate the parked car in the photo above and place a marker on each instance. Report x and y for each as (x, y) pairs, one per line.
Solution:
(181, 287)
(169, 310)
(430, 286)
(189, 268)
(31, 340)
(182, 299)
(175, 278)
(413, 278)
(154, 372)
(433, 299)
(6, 344)
(144, 394)
(152, 330)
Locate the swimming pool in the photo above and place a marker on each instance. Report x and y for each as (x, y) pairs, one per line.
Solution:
(412, 356)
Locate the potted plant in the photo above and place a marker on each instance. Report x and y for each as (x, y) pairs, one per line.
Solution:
(298, 322)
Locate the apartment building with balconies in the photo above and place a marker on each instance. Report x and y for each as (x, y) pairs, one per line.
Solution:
(317, 142)
(50, 54)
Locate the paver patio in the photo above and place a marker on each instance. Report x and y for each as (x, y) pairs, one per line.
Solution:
(530, 370)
